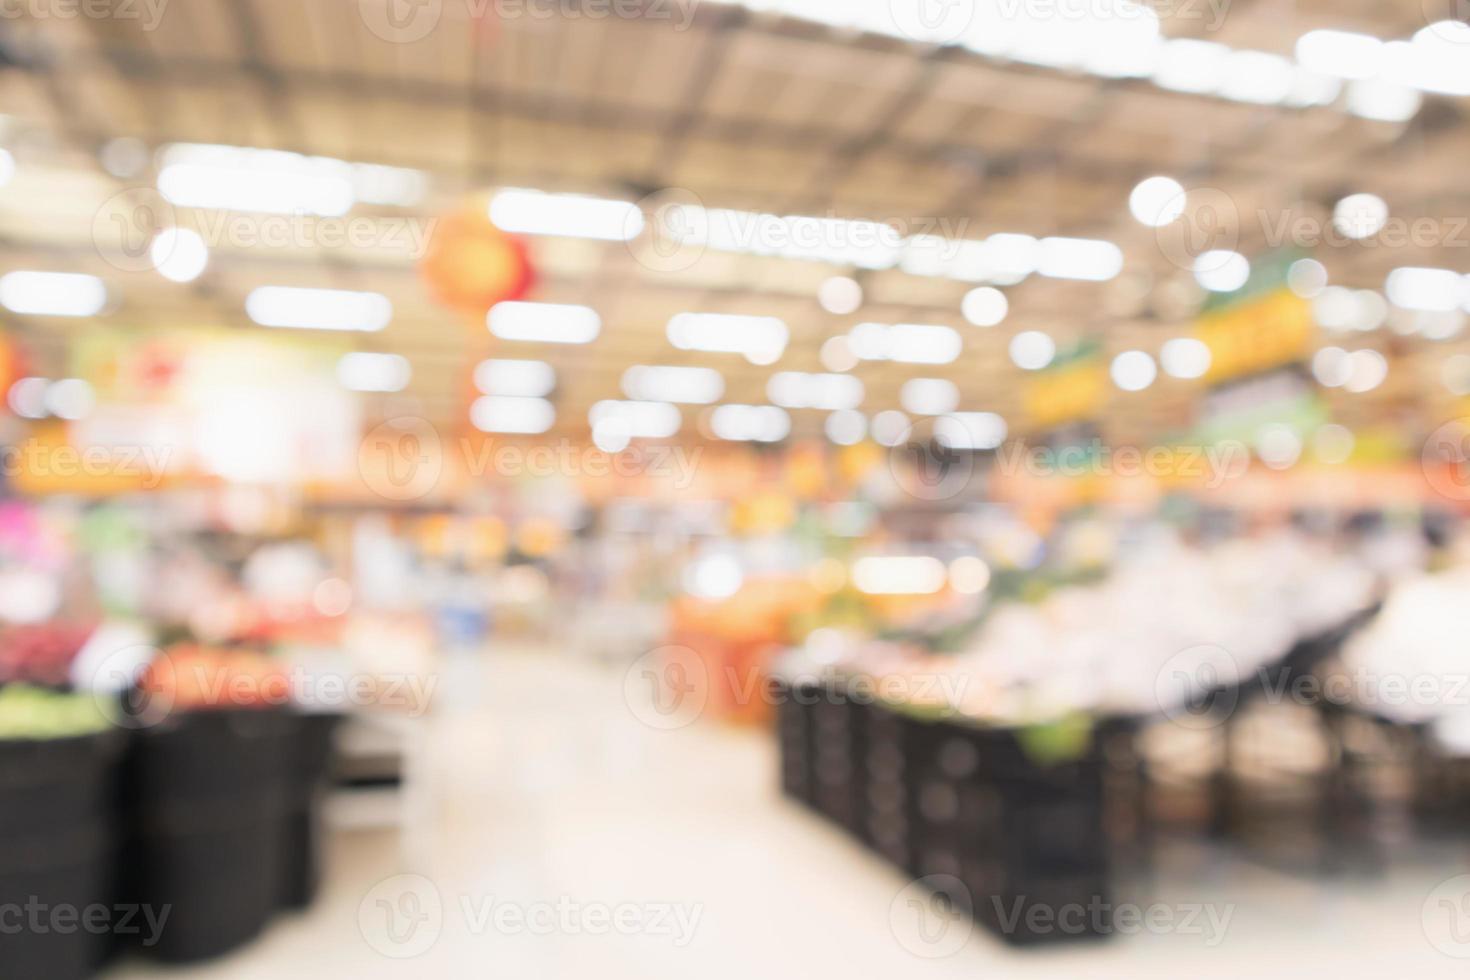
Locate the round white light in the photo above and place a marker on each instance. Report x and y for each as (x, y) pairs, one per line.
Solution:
(1222, 271)
(70, 399)
(1331, 366)
(1360, 215)
(1278, 446)
(890, 427)
(837, 355)
(1185, 357)
(1133, 370)
(985, 307)
(1157, 201)
(715, 577)
(27, 398)
(1032, 350)
(611, 435)
(847, 428)
(840, 295)
(1307, 278)
(179, 254)
(1367, 370)
(969, 575)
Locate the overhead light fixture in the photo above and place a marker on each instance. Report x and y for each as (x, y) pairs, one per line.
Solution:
(1032, 350)
(235, 178)
(1367, 369)
(548, 323)
(840, 295)
(1360, 215)
(1133, 370)
(985, 306)
(750, 423)
(400, 187)
(1255, 76)
(846, 428)
(1221, 270)
(684, 385)
(899, 575)
(512, 415)
(830, 392)
(1185, 357)
(1080, 258)
(70, 399)
(318, 309)
(972, 431)
(366, 371)
(639, 419)
(27, 397)
(1197, 67)
(1434, 290)
(909, 343)
(532, 212)
(52, 293)
(1383, 101)
(1157, 201)
(836, 354)
(1307, 278)
(515, 376)
(179, 254)
(890, 427)
(1345, 54)
(762, 339)
(1331, 366)
(929, 396)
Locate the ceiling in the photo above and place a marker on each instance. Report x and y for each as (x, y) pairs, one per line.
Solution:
(742, 110)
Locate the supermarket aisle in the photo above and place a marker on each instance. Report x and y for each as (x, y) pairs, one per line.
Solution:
(570, 840)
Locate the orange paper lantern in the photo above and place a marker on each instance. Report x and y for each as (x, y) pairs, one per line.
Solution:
(471, 265)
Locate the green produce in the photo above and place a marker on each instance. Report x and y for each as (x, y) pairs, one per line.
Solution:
(35, 713)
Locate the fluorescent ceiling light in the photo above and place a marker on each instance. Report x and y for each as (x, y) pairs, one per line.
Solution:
(929, 396)
(750, 423)
(638, 419)
(366, 371)
(1222, 271)
(830, 392)
(70, 399)
(840, 241)
(1255, 76)
(513, 376)
(318, 309)
(52, 293)
(1345, 54)
(1133, 370)
(1198, 67)
(1434, 290)
(846, 428)
(551, 323)
(972, 431)
(235, 178)
(685, 385)
(1157, 201)
(27, 397)
(908, 575)
(512, 415)
(1032, 350)
(1185, 357)
(985, 306)
(1310, 88)
(762, 339)
(910, 343)
(1384, 101)
(1080, 258)
(179, 254)
(401, 187)
(532, 212)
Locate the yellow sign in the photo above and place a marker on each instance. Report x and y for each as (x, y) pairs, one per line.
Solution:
(1068, 393)
(1264, 333)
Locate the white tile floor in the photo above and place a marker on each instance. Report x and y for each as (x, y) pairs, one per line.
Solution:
(546, 789)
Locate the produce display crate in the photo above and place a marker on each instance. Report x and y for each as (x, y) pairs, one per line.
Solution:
(962, 808)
